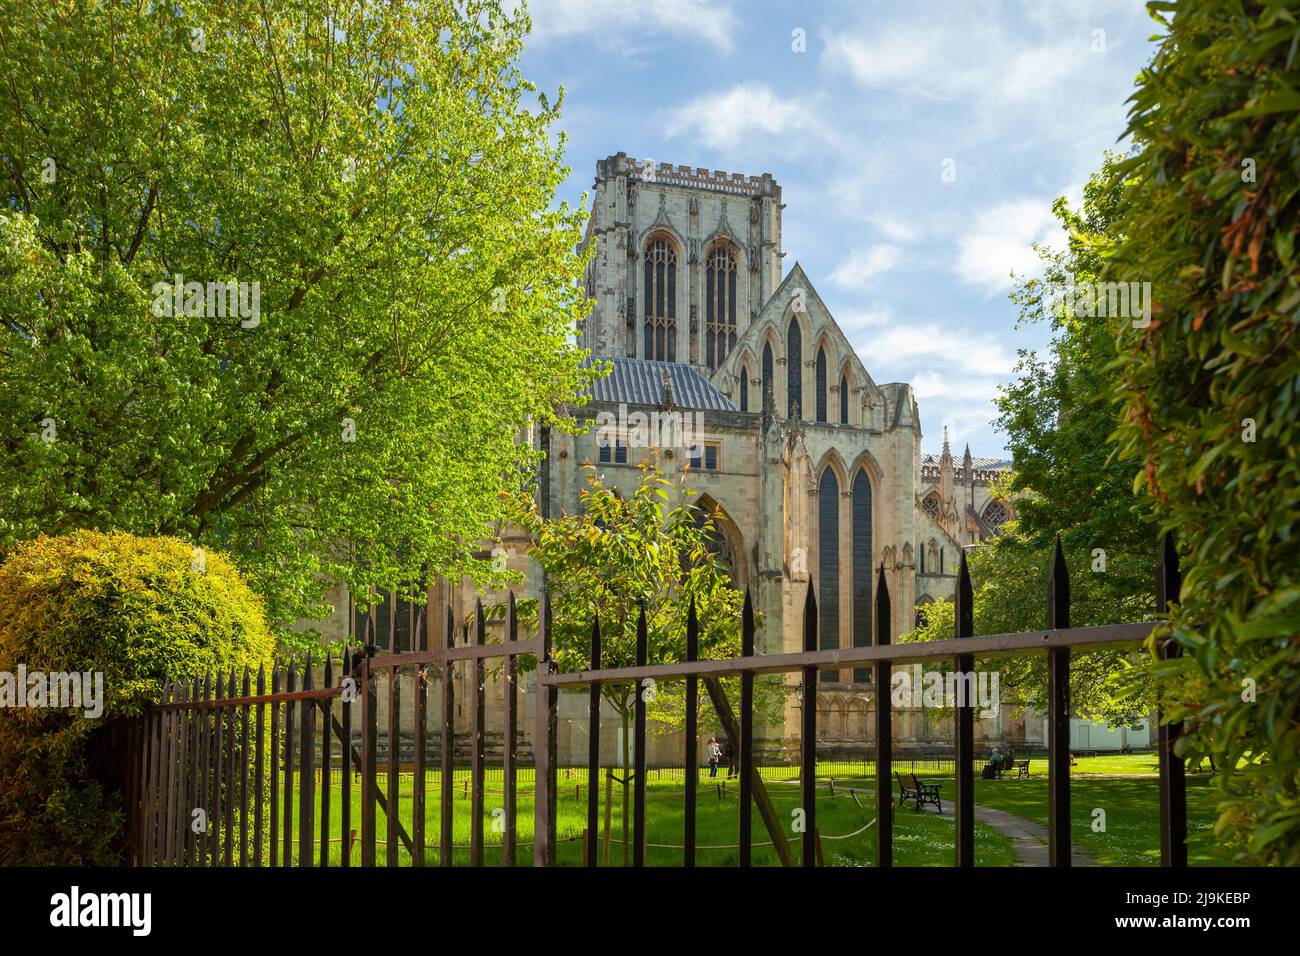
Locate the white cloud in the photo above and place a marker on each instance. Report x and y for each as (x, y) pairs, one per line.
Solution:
(893, 228)
(852, 321)
(896, 57)
(971, 59)
(953, 352)
(733, 118)
(1001, 241)
(864, 265)
(973, 394)
(627, 24)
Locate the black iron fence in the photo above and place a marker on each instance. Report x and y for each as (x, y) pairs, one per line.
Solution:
(231, 771)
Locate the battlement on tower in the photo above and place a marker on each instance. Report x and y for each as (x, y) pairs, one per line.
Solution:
(718, 181)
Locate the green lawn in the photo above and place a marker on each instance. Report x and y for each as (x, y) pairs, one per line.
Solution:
(1111, 764)
(920, 839)
(1132, 815)
(1124, 786)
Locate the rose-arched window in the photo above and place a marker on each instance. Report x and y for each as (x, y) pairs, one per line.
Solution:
(931, 504)
(719, 305)
(996, 513)
(660, 282)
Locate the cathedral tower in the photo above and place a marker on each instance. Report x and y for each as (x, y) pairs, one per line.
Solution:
(683, 260)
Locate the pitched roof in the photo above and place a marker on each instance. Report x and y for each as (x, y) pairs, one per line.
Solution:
(976, 462)
(641, 382)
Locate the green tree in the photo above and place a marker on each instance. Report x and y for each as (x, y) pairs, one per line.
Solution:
(625, 549)
(377, 183)
(138, 612)
(1058, 415)
(1208, 390)
(1009, 581)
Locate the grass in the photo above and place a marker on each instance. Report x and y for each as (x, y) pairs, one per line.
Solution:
(1145, 765)
(1131, 810)
(1123, 786)
(920, 839)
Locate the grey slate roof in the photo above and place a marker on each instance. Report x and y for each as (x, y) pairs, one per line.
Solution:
(976, 461)
(641, 382)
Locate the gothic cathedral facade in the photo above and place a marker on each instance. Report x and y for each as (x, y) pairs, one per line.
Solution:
(812, 469)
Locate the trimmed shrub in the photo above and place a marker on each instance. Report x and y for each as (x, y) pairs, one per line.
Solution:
(139, 611)
(1210, 391)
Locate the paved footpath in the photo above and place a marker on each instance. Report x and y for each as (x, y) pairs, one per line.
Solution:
(1028, 839)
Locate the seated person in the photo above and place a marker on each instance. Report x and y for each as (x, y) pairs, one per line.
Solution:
(996, 760)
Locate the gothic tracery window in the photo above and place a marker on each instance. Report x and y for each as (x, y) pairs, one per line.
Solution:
(996, 513)
(794, 369)
(719, 305)
(821, 385)
(767, 372)
(931, 505)
(861, 570)
(660, 283)
(828, 553)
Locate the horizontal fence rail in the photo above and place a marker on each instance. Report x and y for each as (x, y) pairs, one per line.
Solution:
(994, 645)
(241, 769)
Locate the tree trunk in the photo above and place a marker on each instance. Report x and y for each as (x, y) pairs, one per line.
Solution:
(731, 727)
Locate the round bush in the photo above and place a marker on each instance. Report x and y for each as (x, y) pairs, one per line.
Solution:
(140, 611)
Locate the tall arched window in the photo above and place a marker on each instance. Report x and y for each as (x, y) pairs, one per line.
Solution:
(821, 385)
(862, 605)
(660, 282)
(844, 400)
(744, 389)
(828, 565)
(767, 371)
(794, 368)
(996, 513)
(719, 305)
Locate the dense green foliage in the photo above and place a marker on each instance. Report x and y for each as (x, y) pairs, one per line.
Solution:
(1210, 389)
(1058, 417)
(624, 549)
(383, 176)
(1009, 585)
(140, 611)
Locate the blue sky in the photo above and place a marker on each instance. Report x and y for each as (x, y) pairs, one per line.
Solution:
(1023, 97)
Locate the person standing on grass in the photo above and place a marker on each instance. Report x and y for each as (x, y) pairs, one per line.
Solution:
(715, 755)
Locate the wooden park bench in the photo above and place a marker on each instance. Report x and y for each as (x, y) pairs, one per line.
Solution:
(919, 793)
(1021, 767)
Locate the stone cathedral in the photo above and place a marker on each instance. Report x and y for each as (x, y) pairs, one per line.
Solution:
(812, 469)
